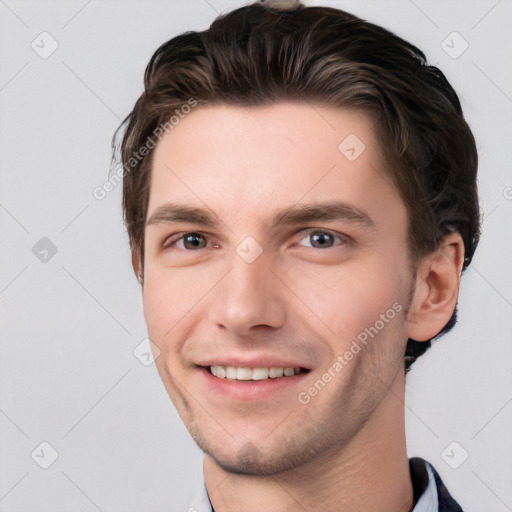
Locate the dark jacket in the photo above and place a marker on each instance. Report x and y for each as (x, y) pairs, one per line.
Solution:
(420, 480)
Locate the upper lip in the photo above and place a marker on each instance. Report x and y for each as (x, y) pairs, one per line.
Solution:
(257, 362)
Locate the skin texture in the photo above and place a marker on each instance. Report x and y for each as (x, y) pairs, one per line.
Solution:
(344, 449)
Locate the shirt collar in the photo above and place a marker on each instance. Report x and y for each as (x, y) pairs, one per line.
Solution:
(424, 486)
(201, 502)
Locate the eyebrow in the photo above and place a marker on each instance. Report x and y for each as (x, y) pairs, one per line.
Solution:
(171, 212)
(295, 214)
(325, 211)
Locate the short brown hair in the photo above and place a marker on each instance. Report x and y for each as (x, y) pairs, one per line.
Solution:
(255, 56)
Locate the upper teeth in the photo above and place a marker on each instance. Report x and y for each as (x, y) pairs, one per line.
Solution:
(233, 373)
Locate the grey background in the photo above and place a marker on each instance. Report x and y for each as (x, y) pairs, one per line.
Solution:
(70, 322)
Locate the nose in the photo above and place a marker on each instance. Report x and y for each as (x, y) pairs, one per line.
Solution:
(248, 298)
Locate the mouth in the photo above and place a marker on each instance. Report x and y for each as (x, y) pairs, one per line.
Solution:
(246, 374)
(247, 381)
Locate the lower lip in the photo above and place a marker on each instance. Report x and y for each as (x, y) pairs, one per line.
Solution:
(251, 389)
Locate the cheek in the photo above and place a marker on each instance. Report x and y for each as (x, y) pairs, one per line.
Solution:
(167, 301)
(350, 298)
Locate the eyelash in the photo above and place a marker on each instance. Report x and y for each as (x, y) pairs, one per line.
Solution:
(172, 240)
(175, 238)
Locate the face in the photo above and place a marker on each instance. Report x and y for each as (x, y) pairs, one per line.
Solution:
(275, 247)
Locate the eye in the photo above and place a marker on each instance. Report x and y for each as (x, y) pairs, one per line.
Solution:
(320, 239)
(186, 241)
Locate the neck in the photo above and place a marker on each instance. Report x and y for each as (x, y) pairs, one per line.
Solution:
(370, 474)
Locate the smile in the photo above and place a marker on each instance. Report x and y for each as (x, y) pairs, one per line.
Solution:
(252, 374)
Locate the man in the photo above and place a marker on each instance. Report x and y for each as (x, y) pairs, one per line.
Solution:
(300, 197)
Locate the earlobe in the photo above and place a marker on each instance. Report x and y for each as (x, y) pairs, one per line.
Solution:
(436, 289)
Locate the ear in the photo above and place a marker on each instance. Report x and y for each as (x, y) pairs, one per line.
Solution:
(137, 266)
(436, 288)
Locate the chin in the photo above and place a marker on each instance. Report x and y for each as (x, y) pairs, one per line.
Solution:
(274, 458)
(250, 461)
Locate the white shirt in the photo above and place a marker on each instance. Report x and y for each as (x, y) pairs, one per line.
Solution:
(427, 503)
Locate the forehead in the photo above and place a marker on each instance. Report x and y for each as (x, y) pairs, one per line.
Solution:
(253, 160)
